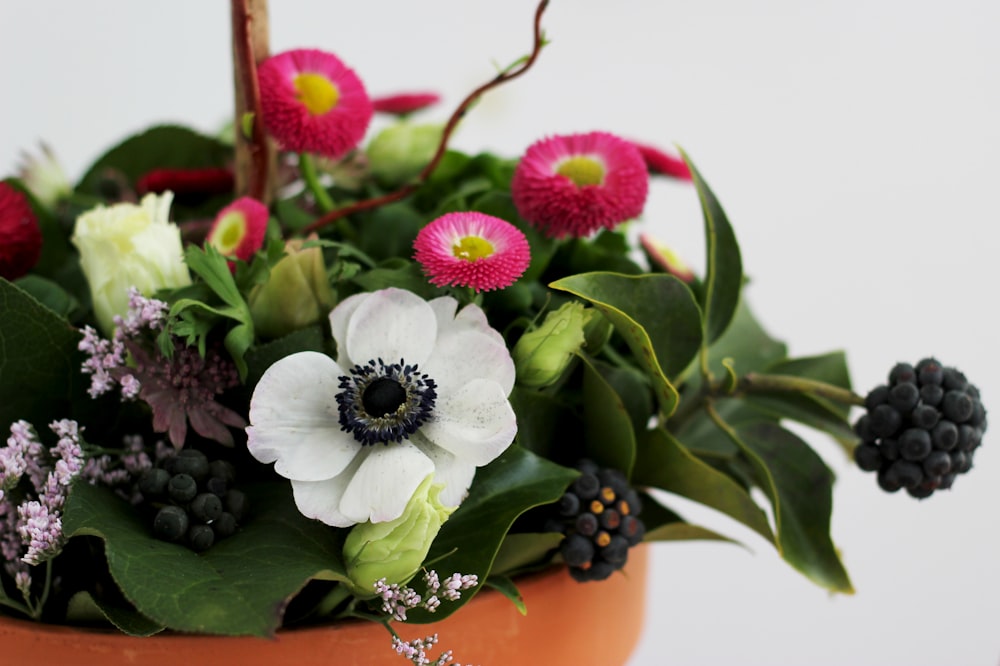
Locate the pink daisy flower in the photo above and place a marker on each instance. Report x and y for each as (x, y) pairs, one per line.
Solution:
(472, 250)
(238, 230)
(20, 236)
(573, 185)
(312, 102)
(404, 103)
(664, 164)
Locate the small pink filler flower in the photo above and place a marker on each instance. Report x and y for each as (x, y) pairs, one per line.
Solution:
(238, 230)
(312, 102)
(573, 185)
(472, 249)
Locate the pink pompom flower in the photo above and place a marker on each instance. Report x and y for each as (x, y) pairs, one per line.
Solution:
(20, 235)
(573, 185)
(312, 102)
(470, 249)
(404, 103)
(662, 163)
(239, 228)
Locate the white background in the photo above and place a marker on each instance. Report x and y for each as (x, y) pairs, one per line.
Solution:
(855, 146)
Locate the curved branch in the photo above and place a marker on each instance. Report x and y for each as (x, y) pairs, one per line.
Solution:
(449, 129)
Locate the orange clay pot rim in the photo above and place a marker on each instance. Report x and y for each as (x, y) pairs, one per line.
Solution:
(525, 581)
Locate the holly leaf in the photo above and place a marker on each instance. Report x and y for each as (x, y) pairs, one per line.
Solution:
(724, 267)
(39, 362)
(657, 316)
(240, 586)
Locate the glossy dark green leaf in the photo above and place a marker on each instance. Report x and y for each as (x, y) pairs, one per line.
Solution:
(663, 462)
(608, 437)
(238, 587)
(524, 550)
(468, 542)
(724, 267)
(751, 350)
(507, 588)
(50, 294)
(662, 524)
(166, 146)
(539, 416)
(799, 486)
(655, 314)
(39, 362)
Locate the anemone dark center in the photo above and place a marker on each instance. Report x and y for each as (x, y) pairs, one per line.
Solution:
(384, 402)
(383, 397)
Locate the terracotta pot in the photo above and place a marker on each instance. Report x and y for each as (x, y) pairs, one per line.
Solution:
(568, 624)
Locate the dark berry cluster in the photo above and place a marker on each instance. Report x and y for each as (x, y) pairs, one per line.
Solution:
(193, 500)
(921, 429)
(599, 516)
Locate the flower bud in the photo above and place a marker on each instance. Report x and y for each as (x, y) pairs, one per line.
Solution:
(543, 355)
(400, 151)
(297, 294)
(128, 245)
(396, 549)
(44, 177)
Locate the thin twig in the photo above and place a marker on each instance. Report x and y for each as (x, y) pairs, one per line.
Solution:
(449, 128)
(248, 91)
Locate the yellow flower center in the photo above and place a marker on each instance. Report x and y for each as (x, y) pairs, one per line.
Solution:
(582, 170)
(229, 233)
(471, 248)
(316, 92)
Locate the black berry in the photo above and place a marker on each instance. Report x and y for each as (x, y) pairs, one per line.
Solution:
(920, 430)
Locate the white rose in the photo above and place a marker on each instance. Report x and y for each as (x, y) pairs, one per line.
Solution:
(126, 245)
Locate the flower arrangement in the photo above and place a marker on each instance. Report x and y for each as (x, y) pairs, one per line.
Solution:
(390, 359)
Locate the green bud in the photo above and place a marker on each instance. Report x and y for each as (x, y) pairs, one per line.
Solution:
(396, 549)
(398, 153)
(542, 356)
(297, 294)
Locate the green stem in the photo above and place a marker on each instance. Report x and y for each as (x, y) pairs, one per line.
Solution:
(331, 601)
(753, 382)
(46, 588)
(307, 167)
(19, 607)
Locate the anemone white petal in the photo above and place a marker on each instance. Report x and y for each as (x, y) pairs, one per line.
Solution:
(464, 352)
(391, 324)
(475, 423)
(385, 481)
(455, 474)
(321, 499)
(296, 422)
(339, 317)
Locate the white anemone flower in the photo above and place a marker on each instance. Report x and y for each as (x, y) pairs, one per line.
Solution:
(417, 389)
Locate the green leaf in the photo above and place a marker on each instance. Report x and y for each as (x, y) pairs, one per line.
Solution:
(799, 486)
(262, 357)
(50, 294)
(655, 314)
(39, 362)
(539, 419)
(238, 587)
(166, 146)
(468, 542)
(751, 349)
(724, 268)
(213, 268)
(662, 524)
(507, 588)
(609, 439)
(664, 463)
(523, 551)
